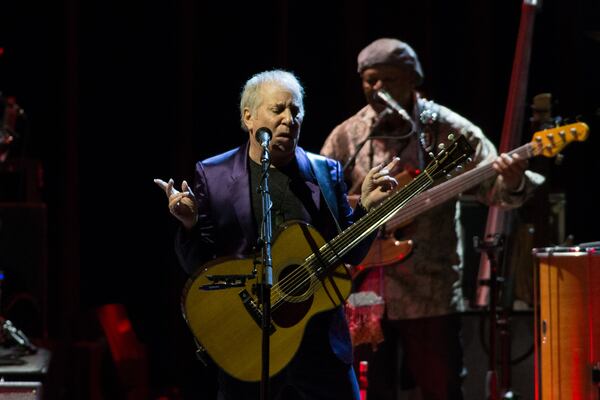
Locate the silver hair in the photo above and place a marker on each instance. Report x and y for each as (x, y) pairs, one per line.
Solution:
(250, 97)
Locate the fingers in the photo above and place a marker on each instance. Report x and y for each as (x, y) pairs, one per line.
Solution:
(182, 205)
(381, 170)
(502, 162)
(385, 182)
(378, 184)
(178, 200)
(522, 164)
(393, 164)
(161, 184)
(511, 169)
(166, 186)
(376, 169)
(169, 190)
(186, 188)
(510, 164)
(380, 175)
(173, 194)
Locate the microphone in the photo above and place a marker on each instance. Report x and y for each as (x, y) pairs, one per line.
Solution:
(389, 101)
(263, 136)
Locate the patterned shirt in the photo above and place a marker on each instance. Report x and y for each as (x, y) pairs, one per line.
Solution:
(428, 283)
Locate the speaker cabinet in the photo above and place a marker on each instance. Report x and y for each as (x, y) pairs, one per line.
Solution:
(23, 260)
(568, 324)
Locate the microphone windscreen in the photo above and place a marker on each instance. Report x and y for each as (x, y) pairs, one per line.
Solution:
(263, 135)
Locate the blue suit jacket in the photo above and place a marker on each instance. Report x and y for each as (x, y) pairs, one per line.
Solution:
(227, 227)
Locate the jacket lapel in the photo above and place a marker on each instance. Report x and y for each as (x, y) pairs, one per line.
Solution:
(308, 176)
(239, 188)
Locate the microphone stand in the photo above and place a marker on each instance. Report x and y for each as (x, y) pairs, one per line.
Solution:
(267, 277)
(350, 163)
(492, 245)
(373, 134)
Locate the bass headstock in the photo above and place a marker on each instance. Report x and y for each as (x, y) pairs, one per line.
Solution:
(550, 142)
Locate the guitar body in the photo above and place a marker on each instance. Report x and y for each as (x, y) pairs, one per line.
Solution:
(227, 320)
(384, 251)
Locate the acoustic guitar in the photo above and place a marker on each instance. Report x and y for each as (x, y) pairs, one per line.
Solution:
(220, 302)
(387, 250)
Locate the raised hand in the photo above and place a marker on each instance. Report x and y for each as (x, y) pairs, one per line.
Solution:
(378, 184)
(182, 204)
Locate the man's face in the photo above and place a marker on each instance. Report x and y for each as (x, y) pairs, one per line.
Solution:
(397, 81)
(279, 111)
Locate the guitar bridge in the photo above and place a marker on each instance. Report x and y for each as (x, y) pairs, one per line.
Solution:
(226, 281)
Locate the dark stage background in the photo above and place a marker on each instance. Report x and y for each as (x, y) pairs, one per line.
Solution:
(120, 92)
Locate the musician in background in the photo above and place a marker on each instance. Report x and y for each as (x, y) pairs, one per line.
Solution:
(221, 215)
(422, 294)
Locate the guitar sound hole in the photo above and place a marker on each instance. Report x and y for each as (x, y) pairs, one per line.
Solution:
(294, 281)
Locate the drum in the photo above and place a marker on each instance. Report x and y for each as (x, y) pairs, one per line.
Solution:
(567, 309)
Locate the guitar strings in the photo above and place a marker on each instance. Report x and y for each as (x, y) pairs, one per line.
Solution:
(466, 180)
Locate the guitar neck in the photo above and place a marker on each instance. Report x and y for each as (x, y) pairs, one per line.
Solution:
(331, 253)
(449, 189)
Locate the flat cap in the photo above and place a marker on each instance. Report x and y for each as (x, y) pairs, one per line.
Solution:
(392, 52)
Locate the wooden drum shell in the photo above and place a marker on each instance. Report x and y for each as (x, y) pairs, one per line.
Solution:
(567, 310)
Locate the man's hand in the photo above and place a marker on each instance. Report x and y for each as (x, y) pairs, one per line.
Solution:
(181, 204)
(378, 184)
(511, 169)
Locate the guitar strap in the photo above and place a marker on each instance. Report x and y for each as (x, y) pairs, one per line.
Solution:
(321, 172)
